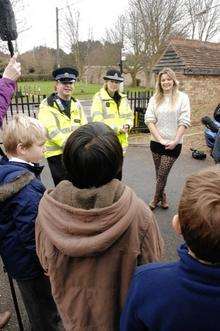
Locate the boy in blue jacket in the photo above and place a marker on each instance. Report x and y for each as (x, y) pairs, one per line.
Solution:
(20, 194)
(184, 295)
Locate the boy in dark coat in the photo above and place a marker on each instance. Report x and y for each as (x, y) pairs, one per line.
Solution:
(20, 194)
(183, 295)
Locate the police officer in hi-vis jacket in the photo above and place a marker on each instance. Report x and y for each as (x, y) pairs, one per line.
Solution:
(60, 114)
(112, 107)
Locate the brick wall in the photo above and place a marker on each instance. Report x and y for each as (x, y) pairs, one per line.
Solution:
(203, 91)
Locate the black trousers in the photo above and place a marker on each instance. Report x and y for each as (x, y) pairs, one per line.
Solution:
(40, 306)
(56, 168)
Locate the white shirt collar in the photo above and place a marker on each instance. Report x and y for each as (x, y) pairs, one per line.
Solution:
(16, 159)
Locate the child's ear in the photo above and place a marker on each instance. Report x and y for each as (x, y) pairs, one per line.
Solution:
(20, 150)
(176, 224)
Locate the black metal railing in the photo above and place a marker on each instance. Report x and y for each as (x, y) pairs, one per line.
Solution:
(24, 104)
(28, 104)
(138, 102)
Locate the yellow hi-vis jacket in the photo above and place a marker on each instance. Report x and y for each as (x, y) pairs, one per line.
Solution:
(58, 125)
(105, 109)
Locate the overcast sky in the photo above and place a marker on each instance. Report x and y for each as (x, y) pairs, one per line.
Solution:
(95, 15)
(41, 18)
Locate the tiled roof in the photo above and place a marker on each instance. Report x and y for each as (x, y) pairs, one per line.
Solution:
(188, 54)
(198, 54)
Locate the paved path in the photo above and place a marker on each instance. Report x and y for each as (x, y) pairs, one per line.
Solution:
(87, 106)
(138, 173)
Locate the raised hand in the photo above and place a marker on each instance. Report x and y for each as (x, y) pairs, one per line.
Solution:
(13, 69)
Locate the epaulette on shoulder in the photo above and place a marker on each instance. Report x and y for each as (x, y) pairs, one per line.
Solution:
(123, 95)
(50, 100)
(73, 99)
(43, 103)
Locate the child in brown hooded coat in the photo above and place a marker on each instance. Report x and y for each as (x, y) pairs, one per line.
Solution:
(92, 231)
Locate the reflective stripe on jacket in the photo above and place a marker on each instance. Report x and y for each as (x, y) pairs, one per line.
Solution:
(59, 126)
(105, 109)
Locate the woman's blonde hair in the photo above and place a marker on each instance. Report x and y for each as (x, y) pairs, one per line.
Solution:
(159, 94)
(22, 130)
(105, 85)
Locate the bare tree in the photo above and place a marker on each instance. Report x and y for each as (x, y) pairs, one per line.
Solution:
(116, 35)
(159, 19)
(145, 29)
(203, 19)
(19, 11)
(125, 33)
(148, 26)
(72, 19)
(70, 29)
(79, 50)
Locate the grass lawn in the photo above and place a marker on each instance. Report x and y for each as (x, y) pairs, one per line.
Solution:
(82, 90)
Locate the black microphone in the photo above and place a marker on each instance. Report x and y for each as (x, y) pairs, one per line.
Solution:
(8, 28)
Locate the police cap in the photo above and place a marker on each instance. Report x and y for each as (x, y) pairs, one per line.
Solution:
(113, 74)
(65, 74)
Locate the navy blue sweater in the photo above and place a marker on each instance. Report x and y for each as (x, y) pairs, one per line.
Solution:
(179, 296)
(20, 194)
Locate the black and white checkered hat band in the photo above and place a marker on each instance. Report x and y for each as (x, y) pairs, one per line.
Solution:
(115, 77)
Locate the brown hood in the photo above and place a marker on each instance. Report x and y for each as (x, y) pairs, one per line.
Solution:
(86, 222)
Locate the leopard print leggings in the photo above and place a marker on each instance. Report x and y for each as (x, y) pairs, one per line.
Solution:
(163, 165)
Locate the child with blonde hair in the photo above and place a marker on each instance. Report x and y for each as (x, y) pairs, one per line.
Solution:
(20, 194)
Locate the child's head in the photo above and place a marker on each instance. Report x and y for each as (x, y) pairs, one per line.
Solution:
(199, 214)
(24, 137)
(92, 155)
